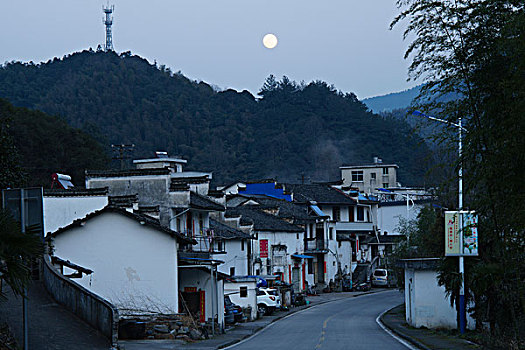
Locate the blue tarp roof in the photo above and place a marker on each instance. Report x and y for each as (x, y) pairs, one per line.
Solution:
(302, 256)
(268, 189)
(384, 190)
(361, 197)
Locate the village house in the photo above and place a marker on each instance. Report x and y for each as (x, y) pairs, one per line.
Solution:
(367, 177)
(336, 246)
(126, 258)
(237, 247)
(277, 245)
(63, 206)
(180, 201)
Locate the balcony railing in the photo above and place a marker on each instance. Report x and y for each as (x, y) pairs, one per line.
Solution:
(206, 241)
(316, 245)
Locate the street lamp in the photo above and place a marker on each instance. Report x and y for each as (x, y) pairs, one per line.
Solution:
(462, 314)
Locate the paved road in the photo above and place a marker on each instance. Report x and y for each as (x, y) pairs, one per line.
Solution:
(345, 324)
(51, 326)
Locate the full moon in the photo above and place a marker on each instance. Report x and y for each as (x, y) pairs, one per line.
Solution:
(270, 41)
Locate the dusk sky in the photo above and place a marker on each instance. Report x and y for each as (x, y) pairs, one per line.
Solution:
(346, 43)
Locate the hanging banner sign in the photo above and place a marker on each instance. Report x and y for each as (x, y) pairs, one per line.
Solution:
(461, 233)
(452, 240)
(263, 248)
(470, 234)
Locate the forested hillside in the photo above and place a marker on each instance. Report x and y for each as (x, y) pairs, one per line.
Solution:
(293, 129)
(35, 145)
(392, 101)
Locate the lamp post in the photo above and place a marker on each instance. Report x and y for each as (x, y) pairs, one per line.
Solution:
(462, 314)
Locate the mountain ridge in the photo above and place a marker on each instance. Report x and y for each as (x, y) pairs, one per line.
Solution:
(291, 129)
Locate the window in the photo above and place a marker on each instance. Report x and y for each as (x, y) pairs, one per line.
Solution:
(373, 176)
(331, 233)
(242, 244)
(385, 171)
(385, 184)
(310, 266)
(243, 292)
(357, 176)
(232, 271)
(336, 214)
(219, 246)
(360, 214)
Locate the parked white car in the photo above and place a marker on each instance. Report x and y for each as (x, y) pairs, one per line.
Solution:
(268, 300)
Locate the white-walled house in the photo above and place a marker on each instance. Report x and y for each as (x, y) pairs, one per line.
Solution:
(276, 246)
(349, 220)
(236, 246)
(62, 207)
(426, 303)
(133, 259)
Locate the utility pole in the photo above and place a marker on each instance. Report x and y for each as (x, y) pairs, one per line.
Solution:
(122, 153)
(462, 308)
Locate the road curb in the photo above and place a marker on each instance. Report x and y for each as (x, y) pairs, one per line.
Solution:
(257, 330)
(406, 337)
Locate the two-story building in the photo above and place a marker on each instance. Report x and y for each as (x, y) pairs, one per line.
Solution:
(367, 177)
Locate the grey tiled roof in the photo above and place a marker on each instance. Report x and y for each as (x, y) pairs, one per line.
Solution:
(75, 192)
(124, 201)
(200, 202)
(261, 220)
(129, 172)
(320, 193)
(297, 212)
(226, 232)
(143, 219)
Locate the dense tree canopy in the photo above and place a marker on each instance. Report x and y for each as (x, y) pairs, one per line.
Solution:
(476, 50)
(37, 145)
(292, 129)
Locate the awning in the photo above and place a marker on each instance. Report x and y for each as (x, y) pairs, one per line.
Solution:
(317, 210)
(299, 256)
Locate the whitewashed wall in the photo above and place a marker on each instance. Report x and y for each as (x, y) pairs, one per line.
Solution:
(426, 302)
(134, 266)
(62, 211)
(388, 216)
(232, 289)
(234, 257)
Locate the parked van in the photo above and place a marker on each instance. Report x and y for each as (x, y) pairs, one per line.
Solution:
(383, 278)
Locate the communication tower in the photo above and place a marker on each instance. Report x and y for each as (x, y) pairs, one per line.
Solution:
(108, 21)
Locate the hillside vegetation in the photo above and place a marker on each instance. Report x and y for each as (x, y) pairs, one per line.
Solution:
(291, 130)
(35, 145)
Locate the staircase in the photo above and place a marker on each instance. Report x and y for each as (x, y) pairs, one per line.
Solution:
(361, 273)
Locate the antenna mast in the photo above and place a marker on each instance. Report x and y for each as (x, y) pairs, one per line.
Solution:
(108, 21)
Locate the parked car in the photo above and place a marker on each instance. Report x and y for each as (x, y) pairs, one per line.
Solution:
(267, 300)
(236, 309)
(229, 317)
(383, 278)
